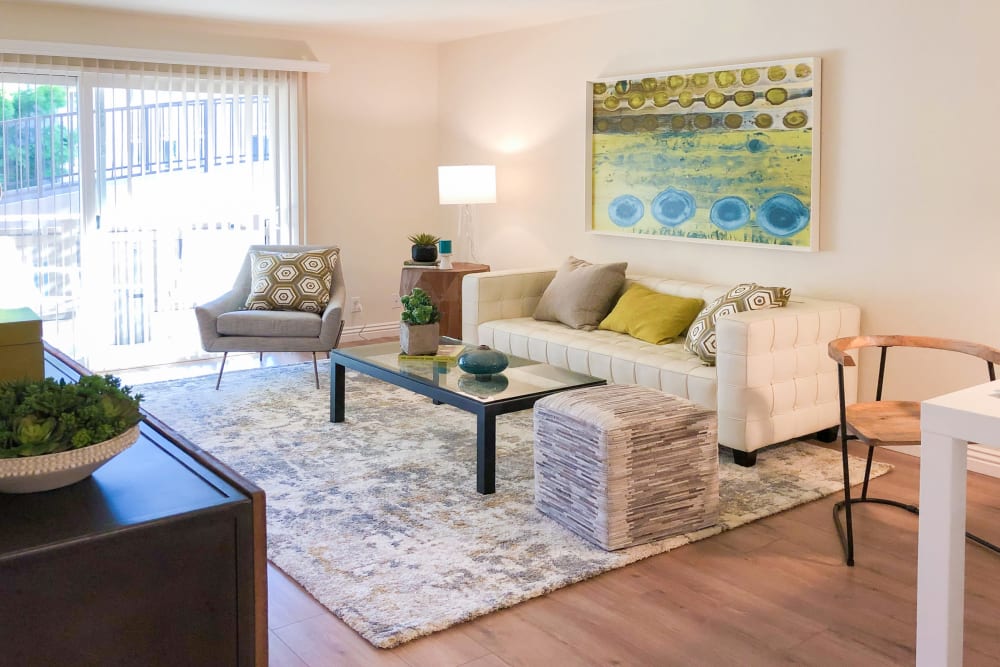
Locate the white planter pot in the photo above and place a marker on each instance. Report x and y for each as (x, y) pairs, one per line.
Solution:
(28, 474)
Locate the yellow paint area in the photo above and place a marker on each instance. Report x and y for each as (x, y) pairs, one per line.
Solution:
(751, 164)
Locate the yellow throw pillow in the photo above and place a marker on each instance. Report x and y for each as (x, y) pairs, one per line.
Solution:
(651, 316)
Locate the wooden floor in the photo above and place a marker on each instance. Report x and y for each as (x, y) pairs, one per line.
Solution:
(773, 592)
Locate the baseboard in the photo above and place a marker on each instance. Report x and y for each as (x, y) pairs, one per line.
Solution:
(361, 333)
(985, 460)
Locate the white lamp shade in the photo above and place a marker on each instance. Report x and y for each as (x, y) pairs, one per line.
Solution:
(467, 184)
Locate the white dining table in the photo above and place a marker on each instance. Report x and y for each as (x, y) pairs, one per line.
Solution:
(948, 424)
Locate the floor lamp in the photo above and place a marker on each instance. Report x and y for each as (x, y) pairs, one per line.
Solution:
(467, 185)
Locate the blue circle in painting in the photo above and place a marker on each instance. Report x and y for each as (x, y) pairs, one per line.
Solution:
(783, 215)
(626, 210)
(672, 207)
(730, 213)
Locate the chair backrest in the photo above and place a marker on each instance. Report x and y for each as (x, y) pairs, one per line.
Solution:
(839, 347)
(242, 282)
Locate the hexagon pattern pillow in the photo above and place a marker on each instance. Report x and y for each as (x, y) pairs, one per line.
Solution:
(291, 280)
(745, 296)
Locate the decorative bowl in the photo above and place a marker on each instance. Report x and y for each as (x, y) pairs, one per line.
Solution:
(28, 474)
(482, 361)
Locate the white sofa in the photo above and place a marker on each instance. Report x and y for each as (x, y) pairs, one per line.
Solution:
(773, 379)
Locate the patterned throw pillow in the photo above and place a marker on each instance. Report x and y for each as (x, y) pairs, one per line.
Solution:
(291, 280)
(745, 296)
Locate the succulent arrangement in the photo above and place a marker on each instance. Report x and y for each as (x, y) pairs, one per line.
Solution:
(45, 417)
(424, 239)
(418, 308)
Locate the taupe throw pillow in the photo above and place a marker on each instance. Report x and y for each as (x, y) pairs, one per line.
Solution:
(742, 297)
(581, 294)
(291, 280)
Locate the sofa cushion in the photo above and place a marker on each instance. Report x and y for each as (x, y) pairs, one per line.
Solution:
(745, 296)
(605, 354)
(291, 280)
(269, 323)
(651, 316)
(581, 294)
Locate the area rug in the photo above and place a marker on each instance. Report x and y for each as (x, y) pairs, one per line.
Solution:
(378, 517)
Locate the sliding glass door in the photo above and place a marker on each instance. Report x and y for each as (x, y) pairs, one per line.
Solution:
(41, 219)
(151, 184)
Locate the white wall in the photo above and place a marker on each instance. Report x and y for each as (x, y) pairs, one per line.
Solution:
(909, 153)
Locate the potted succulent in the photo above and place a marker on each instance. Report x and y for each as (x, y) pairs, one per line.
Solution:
(419, 330)
(424, 247)
(54, 434)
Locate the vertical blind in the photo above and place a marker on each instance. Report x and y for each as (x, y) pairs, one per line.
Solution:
(143, 185)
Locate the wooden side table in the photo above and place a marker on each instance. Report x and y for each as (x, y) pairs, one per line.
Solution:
(445, 289)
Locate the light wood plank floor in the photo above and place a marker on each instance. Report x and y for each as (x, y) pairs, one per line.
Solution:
(773, 592)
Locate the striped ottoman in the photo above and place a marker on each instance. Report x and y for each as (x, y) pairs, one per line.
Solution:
(621, 465)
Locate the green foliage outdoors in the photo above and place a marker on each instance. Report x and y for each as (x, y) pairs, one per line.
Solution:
(44, 417)
(424, 239)
(418, 308)
(31, 138)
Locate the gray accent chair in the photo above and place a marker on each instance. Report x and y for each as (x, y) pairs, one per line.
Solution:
(226, 327)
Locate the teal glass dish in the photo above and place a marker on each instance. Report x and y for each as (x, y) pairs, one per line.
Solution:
(482, 362)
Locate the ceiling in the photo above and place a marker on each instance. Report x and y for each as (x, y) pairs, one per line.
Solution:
(415, 20)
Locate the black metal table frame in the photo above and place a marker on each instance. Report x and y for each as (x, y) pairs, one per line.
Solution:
(486, 413)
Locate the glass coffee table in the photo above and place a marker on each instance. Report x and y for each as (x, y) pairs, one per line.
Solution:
(517, 388)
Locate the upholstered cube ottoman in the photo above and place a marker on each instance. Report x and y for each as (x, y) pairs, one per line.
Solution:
(621, 465)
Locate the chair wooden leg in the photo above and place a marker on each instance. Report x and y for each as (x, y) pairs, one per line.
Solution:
(315, 370)
(221, 366)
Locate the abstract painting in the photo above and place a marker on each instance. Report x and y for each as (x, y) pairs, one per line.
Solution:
(721, 154)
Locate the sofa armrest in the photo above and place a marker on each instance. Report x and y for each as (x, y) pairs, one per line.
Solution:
(775, 374)
(500, 295)
(208, 313)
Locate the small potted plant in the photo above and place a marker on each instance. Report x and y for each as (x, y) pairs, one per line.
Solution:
(419, 330)
(53, 434)
(424, 247)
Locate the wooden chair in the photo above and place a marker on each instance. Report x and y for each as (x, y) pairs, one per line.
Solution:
(881, 423)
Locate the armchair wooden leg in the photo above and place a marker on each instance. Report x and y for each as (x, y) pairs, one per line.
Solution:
(221, 366)
(315, 370)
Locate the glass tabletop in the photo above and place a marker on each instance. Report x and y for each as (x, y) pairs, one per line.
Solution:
(522, 377)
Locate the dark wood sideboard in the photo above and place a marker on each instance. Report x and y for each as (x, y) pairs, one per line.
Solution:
(158, 558)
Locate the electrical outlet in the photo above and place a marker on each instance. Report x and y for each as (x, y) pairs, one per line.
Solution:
(395, 300)
(356, 304)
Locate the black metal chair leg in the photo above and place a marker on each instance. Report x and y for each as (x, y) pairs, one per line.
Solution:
(315, 370)
(847, 532)
(221, 366)
(846, 536)
(868, 472)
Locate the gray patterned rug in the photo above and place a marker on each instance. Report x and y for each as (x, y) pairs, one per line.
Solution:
(378, 517)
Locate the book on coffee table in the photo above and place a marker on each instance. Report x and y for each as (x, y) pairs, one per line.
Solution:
(444, 353)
